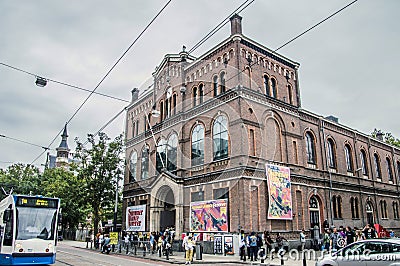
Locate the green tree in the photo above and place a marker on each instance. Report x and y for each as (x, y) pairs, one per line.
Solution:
(21, 179)
(386, 137)
(100, 168)
(62, 183)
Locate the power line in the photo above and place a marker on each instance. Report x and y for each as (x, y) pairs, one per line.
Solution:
(291, 40)
(108, 72)
(220, 25)
(62, 83)
(23, 141)
(107, 124)
(316, 25)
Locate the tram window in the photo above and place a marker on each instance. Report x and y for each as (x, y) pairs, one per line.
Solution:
(8, 230)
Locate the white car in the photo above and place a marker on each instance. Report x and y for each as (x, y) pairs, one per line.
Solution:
(370, 252)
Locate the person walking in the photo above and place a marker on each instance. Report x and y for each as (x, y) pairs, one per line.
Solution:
(242, 246)
(268, 243)
(350, 235)
(302, 239)
(326, 240)
(189, 246)
(253, 246)
(334, 238)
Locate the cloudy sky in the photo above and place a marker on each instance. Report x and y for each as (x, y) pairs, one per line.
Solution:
(348, 65)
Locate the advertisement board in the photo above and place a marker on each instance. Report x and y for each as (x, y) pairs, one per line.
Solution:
(136, 218)
(279, 192)
(209, 216)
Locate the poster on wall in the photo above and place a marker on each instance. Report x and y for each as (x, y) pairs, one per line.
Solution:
(279, 192)
(136, 218)
(209, 216)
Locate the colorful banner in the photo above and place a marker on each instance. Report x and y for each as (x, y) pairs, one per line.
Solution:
(280, 192)
(136, 218)
(209, 216)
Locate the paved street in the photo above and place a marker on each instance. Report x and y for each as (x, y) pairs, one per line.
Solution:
(75, 253)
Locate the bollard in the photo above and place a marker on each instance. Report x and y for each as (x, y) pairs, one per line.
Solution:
(144, 250)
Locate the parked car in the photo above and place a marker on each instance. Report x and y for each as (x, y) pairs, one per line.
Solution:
(370, 252)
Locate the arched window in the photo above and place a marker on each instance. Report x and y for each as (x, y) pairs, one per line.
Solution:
(194, 96)
(145, 162)
(377, 165)
(161, 111)
(389, 169)
(161, 155)
(354, 208)
(132, 167)
(172, 146)
(201, 93)
(266, 85)
(310, 148)
(222, 81)
(174, 103)
(290, 93)
(220, 137)
(133, 128)
(215, 85)
(383, 209)
(348, 157)
(363, 158)
(331, 153)
(398, 169)
(395, 210)
(337, 207)
(198, 145)
(273, 87)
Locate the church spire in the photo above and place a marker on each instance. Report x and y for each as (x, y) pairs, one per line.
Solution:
(63, 150)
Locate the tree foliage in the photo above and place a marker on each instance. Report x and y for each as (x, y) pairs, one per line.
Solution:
(62, 183)
(386, 137)
(100, 168)
(21, 179)
(58, 182)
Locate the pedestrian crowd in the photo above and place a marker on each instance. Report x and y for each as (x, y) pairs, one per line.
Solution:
(251, 245)
(334, 238)
(254, 245)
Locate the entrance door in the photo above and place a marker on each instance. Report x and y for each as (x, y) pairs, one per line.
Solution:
(370, 213)
(315, 222)
(167, 219)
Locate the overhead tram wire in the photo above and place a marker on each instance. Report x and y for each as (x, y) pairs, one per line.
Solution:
(298, 36)
(220, 25)
(23, 141)
(106, 75)
(107, 124)
(63, 83)
(196, 46)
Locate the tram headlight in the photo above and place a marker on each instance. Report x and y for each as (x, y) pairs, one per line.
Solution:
(18, 246)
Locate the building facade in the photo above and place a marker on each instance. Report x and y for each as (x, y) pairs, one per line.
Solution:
(208, 126)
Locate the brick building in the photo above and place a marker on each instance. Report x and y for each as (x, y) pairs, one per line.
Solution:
(208, 126)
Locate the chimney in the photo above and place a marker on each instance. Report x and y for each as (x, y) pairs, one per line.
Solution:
(135, 94)
(236, 24)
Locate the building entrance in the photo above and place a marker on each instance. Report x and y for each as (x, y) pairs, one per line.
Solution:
(370, 213)
(166, 207)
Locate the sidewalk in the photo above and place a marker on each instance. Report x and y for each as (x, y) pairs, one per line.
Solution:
(178, 257)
